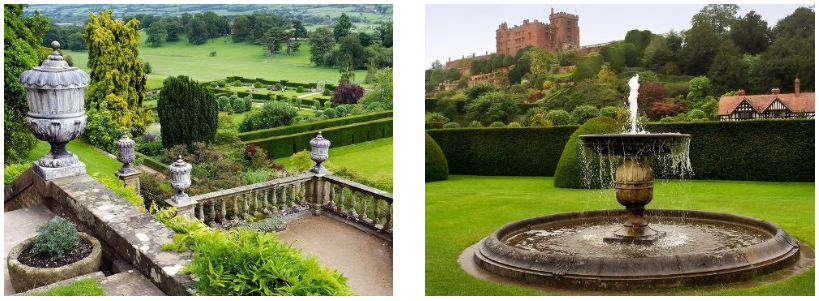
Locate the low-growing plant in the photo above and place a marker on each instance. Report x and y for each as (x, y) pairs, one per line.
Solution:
(256, 176)
(272, 223)
(300, 89)
(513, 124)
(11, 172)
(237, 83)
(118, 187)
(273, 114)
(153, 148)
(300, 162)
(54, 238)
(497, 124)
(475, 124)
(451, 125)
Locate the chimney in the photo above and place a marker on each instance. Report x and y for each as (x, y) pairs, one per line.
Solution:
(796, 86)
(553, 10)
(775, 91)
(741, 92)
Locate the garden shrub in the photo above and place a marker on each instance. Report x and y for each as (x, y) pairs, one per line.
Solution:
(475, 124)
(273, 114)
(237, 83)
(434, 120)
(492, 107)
(272, 223)
(12, 172)
(300, 89)
(451, 125)
(257, 85)
(101, 130)
(187, 111)
(118, 187)
(54, 238)
(223, 102)
(569, 172)
(347, 93)
(248, 103)
(255, 176)
(300, 162)
(154, 190)
(150, 148)
(559, 117)
(581, 114)
(435, 164)
(238, 105)
(330, 113)
(514, 124)
(497, 124)
(327, 92)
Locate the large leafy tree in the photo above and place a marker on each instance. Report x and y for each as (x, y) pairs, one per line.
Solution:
(157, 34)
(701, 45)
(728, 71)
(791, 54)
(241, 27)
(719, 17)
(118, 81)
(343, 27)
(187, 111)
(197, 31)
(21, 39)
(750, 33)
(492, 107)
(385, 33)
(321, 43)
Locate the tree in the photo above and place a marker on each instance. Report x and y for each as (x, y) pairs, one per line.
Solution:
(453, 74)
(750, 33)
(321, 43)
(147, 68)
(588, 67)
(657, 54)
(157, 34)
(174, 28)
(728, 71)
(791, 54)
(351, 45)
(187, 111)
(674, 40)
(381, 91)
(492, 107)
(541, 61)
(117, 76)
(196, 31)
(650, 93)
(718, 17)
(273, 114)
(606, 76)
(272, 39)
(663, 108)
(241, 27)
(385, 33)
(639, 39)
(347, 94)
(615, 56)
(475, 67)
(346, 71)
(698, 88)
(343, 26)
(299, 32)
(508, 61)
(23, 36)
(216, 25)
(701, 45)
(586, 92)
(630, 54)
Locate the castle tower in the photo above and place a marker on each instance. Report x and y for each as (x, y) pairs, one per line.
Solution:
(565, 29)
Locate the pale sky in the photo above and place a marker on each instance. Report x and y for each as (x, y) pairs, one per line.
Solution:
(456, 30)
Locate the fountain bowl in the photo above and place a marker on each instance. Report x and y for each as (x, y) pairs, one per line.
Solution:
(633, 266)
(634, 144)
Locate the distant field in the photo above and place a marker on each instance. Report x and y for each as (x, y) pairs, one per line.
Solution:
(232, 59)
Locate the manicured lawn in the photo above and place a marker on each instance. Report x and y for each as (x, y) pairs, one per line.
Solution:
(95, 161)
(369, 158)
(85, 287)
(232, 59)
(464, 209)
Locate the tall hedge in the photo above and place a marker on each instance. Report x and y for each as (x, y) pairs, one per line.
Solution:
(313, 126)
(569, 172)
(503, 151)
(188, 112)
(754, 150)
(284, 146)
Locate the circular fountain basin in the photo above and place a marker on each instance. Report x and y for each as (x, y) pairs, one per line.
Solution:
(619, 144)
(567, 250)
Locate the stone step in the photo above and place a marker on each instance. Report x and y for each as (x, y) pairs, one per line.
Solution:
(130, 283)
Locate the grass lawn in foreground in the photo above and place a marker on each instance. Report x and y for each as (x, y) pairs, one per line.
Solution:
(85, 287)
(465, 209)
(95, 161)
(369, 158)
(232, 59)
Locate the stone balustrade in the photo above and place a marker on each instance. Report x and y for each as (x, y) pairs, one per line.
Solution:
(359, 205)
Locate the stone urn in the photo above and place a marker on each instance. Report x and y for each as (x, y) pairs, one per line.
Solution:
(24, 277)
(319, 152)
(55, 93)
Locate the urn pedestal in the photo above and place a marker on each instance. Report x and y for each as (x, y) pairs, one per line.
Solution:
(55, 93)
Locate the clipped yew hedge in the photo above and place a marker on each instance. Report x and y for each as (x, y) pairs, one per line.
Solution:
(755, 150)
(503, 151)
(312, 126)
(286, 145)
(569, 172)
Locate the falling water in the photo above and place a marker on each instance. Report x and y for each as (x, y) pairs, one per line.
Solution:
(634, 84)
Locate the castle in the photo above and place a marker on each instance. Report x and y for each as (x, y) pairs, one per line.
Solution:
(562, 31)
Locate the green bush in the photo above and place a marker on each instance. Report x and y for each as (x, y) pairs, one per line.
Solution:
(273, 223)
(238, 105)
(492, 107)
(150, 148)
(435, 164)
(330, 113)
(514, 125)
(314, 126)
(475, 124)
(101, 130)
(300, 162)
(273, 114)
(434, 120)
(569, 172)
(255, 176)
(54, 238)
(237, 83)
(118, 187)
(286, 145)
(497, 124)
(559, 117)
(257, 85)
(451, 125)
(11, 172)
(581, 114)
(300, 89)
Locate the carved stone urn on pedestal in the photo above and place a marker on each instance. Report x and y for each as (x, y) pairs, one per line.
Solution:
(55, 93)
(319, 152)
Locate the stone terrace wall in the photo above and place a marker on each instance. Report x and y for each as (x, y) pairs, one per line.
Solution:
(134, 235)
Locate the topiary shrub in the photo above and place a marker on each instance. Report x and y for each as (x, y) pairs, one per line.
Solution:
(451, 125)
(475, 124)
(187, 111)
(569, 172)
(54, 238)
(497, 124)
(513, 124)
(435, 166)
(272, 114)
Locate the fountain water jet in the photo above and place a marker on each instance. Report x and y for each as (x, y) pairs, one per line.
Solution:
(596, 249)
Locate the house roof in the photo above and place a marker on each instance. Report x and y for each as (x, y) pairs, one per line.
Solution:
(805, 102)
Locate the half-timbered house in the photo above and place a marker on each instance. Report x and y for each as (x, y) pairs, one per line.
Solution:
(774, 105)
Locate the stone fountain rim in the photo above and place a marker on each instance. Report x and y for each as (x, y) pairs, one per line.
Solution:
(778, 251)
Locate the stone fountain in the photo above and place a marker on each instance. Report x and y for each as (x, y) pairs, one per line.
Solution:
(617, 249)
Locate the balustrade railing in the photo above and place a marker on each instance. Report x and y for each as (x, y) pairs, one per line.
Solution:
(357, 202)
